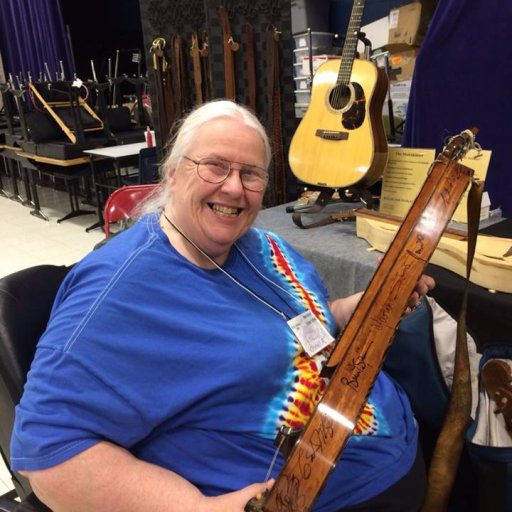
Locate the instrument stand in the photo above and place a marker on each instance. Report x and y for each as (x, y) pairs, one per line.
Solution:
(346, 195)
(358, 195)
(321, 201)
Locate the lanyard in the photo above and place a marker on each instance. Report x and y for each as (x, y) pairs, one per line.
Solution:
(258, 297)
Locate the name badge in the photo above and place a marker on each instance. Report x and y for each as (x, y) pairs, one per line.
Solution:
(310, 332)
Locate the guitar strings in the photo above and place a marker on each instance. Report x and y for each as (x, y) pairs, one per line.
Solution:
(349, 48)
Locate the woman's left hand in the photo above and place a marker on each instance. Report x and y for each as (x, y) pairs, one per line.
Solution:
(423, 286)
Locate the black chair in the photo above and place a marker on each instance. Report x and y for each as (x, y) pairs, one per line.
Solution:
(148, 166)
(123, 129)
(147, 172)
(26, 298)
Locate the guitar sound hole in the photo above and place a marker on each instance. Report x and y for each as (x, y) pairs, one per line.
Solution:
(339, 97)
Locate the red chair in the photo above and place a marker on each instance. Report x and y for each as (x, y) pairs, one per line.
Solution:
(122, 203)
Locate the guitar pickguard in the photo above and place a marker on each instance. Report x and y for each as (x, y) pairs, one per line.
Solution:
(354, 117)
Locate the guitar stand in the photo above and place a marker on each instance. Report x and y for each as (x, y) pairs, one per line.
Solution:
(352, 195)
(321, 201)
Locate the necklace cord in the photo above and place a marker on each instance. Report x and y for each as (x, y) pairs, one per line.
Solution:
(225, 272)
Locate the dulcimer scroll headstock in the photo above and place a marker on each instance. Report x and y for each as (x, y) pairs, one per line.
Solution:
(459, 145)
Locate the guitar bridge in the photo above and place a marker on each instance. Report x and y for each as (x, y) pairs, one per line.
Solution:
(331, 135)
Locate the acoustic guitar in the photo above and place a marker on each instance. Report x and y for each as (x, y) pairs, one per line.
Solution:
(340, 142)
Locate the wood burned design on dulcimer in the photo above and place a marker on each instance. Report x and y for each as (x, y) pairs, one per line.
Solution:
(384, 320)
(449, 186)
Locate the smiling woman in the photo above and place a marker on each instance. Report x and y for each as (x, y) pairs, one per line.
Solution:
(215, 215)
(189, 327)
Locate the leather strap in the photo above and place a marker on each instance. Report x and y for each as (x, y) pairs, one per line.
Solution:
(230, 46)
(196, 65)
(181, 82)
(250, 66)
(450, 442)
(164, 90)
(205, 68)
(274, 98)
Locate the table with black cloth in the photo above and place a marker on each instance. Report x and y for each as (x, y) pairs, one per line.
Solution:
(347, 265)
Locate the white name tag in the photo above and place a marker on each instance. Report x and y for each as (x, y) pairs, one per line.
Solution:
(310, 332)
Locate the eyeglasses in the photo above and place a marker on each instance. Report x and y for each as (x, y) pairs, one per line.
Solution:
(216, 170)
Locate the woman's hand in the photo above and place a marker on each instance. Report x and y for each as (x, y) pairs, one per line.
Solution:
(235, 501)
(423, 286)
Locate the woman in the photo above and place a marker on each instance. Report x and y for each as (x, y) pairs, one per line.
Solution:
(168, 364)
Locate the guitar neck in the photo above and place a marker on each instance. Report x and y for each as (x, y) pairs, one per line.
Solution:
(350, 46)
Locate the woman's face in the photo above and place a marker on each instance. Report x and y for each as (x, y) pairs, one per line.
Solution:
(214, 216)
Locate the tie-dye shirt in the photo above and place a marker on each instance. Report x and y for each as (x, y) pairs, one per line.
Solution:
(195, 370)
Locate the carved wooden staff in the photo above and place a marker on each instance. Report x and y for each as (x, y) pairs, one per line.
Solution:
(182, 92)
(250, 66)
(275, 122)
(196, 66)
(164, 90)
(205, 68)
(360, 349)
(230, 46)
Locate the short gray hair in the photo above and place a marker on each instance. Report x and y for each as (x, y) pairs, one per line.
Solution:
(185, 133)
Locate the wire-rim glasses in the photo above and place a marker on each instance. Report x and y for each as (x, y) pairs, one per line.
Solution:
(216, 170)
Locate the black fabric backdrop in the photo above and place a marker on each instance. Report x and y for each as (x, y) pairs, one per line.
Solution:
(165, 18)
(463, 78)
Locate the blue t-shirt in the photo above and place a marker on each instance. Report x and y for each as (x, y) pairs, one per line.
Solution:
(194, 370)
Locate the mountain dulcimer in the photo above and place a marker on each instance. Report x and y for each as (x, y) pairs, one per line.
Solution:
(359, 351)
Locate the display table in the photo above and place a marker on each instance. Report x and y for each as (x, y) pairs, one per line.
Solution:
(117, 152)
(70, 171)
(347, 264)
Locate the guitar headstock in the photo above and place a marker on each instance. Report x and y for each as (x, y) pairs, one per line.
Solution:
(459, 145)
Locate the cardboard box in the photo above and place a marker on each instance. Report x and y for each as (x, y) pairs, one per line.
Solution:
(401, 64)
(407, 26)
(377, 33)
